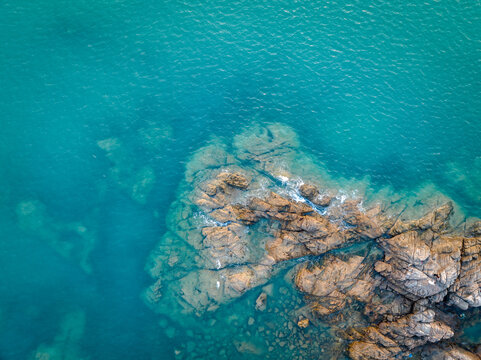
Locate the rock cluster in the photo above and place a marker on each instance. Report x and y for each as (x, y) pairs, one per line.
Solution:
(424, 267)
(389, 285)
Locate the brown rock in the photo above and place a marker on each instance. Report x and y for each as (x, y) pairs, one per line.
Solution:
(466, 291)
(333, 281)
(447, 352)
(436, 220)
(308, 191)
(362, 350)
(303, 323)
(234, 179)
(402, 335)
(420, 264)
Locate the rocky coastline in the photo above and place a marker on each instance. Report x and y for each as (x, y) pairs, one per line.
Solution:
(388, 282)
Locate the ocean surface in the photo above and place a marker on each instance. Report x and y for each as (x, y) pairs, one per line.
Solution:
(102, 104)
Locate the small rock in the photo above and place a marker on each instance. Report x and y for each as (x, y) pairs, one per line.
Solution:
(303, 323)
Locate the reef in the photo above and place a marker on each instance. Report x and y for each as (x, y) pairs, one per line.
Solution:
(389, 282)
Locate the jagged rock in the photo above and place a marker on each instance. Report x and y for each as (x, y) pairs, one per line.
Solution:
(205, 290)
(234, 179)
(334, 281)
(361, 223)
(308, 191)
(420, 263)
(466, 291)
(416, 329)
(436, 220)
(474, 229)
(447, 352)
(390, 338)
(225, 244)
(362, 350)
(387, 305)
(312, 193)
(239, 217)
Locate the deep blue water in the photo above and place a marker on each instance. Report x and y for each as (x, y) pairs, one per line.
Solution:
(389, 90)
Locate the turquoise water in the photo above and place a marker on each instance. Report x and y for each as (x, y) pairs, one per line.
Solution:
(102, 104)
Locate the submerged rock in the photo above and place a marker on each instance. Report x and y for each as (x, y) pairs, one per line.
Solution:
(261, 302)
(137, 181)
(66, 344)
(72, 240)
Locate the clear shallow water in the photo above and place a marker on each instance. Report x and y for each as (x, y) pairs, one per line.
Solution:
(389, 90)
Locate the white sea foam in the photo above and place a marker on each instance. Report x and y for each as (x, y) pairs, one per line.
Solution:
(205, 220)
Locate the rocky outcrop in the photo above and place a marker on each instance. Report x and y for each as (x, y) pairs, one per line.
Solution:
(312, 193)
(231, 206)
(388, 284)
(421, 264)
